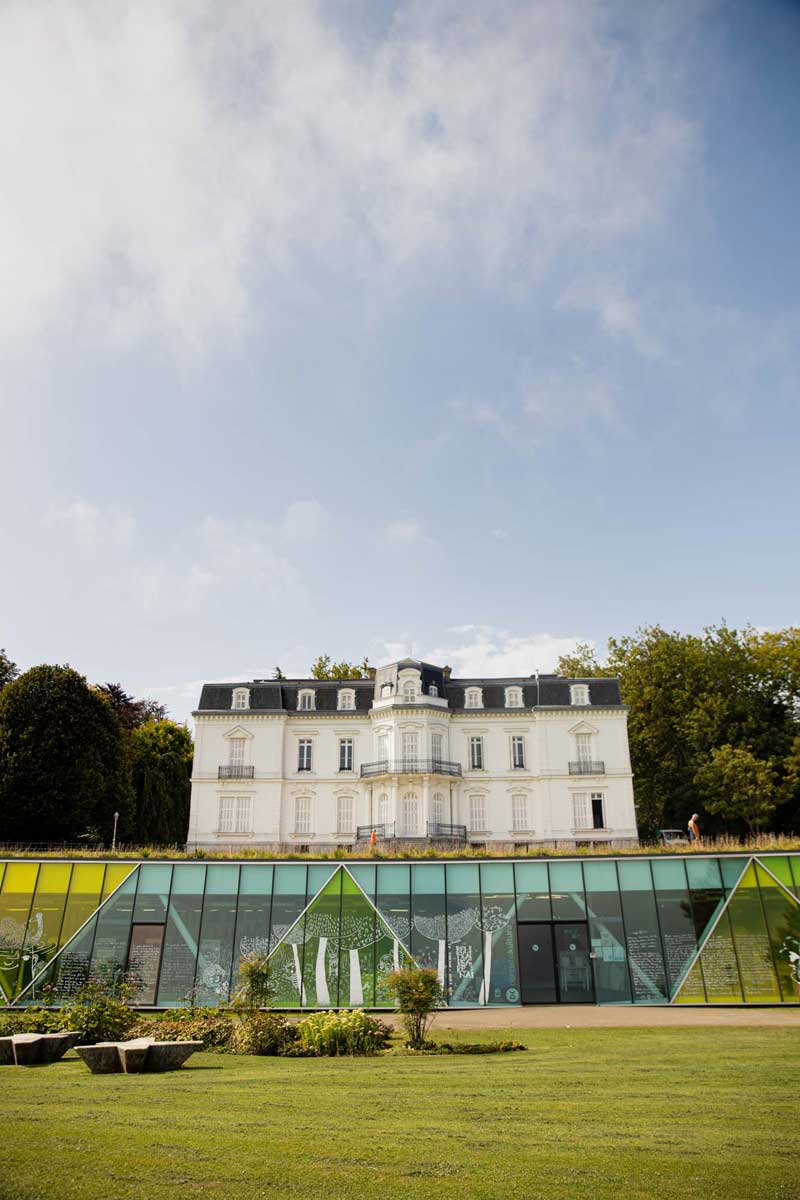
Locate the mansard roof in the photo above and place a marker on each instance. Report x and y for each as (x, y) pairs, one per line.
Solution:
(546, 691)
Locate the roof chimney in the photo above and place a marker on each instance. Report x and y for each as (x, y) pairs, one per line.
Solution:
(447, 672)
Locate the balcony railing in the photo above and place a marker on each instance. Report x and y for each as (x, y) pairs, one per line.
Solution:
(239, 771)
(383, 833)
(410, 766)
(450, 833)
(587, 767)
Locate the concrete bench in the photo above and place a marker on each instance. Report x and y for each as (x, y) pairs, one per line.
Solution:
(137, 1055)
(36, 1049)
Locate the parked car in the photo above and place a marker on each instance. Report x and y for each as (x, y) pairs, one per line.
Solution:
(672, 837)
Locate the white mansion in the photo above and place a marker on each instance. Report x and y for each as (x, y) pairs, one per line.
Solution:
(411, 754)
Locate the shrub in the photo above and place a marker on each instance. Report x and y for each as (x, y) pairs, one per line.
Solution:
(332, 1033)
(466, 1048)
(256, 988)
(99, 1013)
(32, 1020)
(263, 1033)
(418, 991)
(207, 1025)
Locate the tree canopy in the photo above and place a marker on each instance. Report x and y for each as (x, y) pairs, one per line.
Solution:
(161, 772)
(131, 713)
(714, 721)
(8, 670)
(63, 763)
(323, 668)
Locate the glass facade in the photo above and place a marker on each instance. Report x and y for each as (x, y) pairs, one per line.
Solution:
(699, 929)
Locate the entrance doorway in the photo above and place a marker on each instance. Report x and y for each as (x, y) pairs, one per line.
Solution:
(554, 963)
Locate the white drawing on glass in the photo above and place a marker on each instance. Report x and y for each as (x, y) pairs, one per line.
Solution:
(435, 928)
(793, 957)
(464, 961)
(493, 919)
(400, 928)
(323, 926)
(356, 934)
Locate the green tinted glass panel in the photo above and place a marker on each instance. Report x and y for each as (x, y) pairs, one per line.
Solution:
(752, 943)
(215, 956)
(600, 876)
(794, 863)
(707, 894)
(566, 888)
(365, 877)
(719, 966)
(643, 934)
(428, 941)
(533, 892)
(676, 918)
(252, 915)
(110, 949)
(692, 990)
(288, 900)
(780, 867)
(317, 878)
(85, 892)
(181, 936)
(222, 881)
(394, 901)
(607, 934)
(498, 926)
(634, 876)
(732, 869)
(256, 880)
(465, 938)
(116, 873)
(782, 913)
(46, 917)
(290, 880)
(152, 893)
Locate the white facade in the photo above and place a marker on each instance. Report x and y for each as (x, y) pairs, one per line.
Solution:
(312, 763)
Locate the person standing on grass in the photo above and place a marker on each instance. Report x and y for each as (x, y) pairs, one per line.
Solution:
(694, 828)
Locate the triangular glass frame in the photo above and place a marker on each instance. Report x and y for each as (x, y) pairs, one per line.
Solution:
(336, 952)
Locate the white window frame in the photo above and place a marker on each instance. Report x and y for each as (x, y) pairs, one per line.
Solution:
(302, 814)
(237, 751)
(240, 698)
(433, 690)
(235, 814)
(409, 828)
(346, 753)
(346, 699)
(519, 812)
(473, 697)
(477, 812)
(579, 694)
(437, 808)
(410, 737)
(345, 810)
(518, 750)
(384, 809)
(306, 700)
(437, 747)
(581, 811)
(584, 747)
(601, 796)
(476, 755)
(305, 754)
(514, 697)
(409, 692)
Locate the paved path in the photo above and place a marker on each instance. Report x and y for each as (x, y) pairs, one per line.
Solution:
(589, 1016)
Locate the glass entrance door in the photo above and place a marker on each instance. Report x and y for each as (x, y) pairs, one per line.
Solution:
(554, 963)
(537, 968)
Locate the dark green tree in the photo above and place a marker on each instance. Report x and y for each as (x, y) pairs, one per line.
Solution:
(161, 772)
(63, 761)
(277, 673)
(323, 668)
(8, 670)
(131, 712)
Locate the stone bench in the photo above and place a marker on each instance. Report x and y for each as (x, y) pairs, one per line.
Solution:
(136, 1056)
(35, 1049)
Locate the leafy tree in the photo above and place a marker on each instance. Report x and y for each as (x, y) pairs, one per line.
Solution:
(63, 765)
(323, 668)
(8, 670)
(739, 786)
(277, 673)
(131, 713)
(418, 991)
(161, 772)
(690, 695)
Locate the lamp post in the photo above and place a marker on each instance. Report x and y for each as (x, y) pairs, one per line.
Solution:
(114, 834)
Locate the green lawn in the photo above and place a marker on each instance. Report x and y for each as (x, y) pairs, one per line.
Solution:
(590, 1113)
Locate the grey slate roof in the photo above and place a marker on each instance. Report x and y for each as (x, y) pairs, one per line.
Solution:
(281, 696)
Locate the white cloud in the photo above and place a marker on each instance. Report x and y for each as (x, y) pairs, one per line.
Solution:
(404, 533)
(92, 528)
(615, 309)
(304, 521)
(170, 163)
(570, 397)
(482, 650)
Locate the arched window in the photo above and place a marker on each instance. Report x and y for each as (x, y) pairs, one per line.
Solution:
(386, 689)
(302, 814)
(514, 697)
(344, 814)
(347, 699)
(433, 690)
(410, 815)
(241, 698)
(305, 699)
(473, 698)
(409, 691)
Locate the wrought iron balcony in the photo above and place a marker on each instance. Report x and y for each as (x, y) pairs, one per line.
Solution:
(409, 766)
(450, 833)
(239, 771)
(587, 767)
(383, 833)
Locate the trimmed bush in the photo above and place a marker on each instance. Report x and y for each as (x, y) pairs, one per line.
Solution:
(33, 1020)
(99, 1013)
(465, 1048)
(418, 992)
(332, 1033)
(263, 1033)
(207, 1025)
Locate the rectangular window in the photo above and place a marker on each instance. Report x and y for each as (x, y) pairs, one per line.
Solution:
(519, 812)
(302, 814)
(345, 754)
(305, 701)
(243, 814)
(517, 751)
(584, 744)
(304, 754)
(226, 814)
(237, 752)
(477, 813)
(344, 814)
(409, 747)
(346, 700)
(580, 810)
(598, 817)
(436, 746)
(235, 814)
(476, 753)
(383, 747)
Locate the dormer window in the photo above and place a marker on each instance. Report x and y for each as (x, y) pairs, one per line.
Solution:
(241, 698)
(513, 697)
(346, 699)
(579, 693)
(386, 690)
(410, 692)
(306, 700)
(473, 698)
(433, 690)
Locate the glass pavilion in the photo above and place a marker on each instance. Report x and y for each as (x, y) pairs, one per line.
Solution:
(697, 929)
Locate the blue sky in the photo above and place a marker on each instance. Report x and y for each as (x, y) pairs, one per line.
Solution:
(357, 328)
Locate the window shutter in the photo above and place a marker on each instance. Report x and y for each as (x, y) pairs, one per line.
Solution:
(226, 814)
(580, 810)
